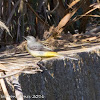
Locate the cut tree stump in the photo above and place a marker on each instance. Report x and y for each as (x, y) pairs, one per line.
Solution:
(61, 79)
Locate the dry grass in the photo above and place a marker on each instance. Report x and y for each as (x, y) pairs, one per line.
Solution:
(3, 26)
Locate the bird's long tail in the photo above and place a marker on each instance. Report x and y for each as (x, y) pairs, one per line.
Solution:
(65, 56)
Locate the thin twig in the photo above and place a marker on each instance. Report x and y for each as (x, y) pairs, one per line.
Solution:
(6, 94)
(3, 68)
(36, 14)
(17, 88)
(12, 12)
(55, 7)
(13, 73)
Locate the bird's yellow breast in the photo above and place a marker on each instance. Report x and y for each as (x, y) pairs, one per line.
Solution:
(50, 54)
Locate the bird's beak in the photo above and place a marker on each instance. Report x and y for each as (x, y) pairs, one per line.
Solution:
(24, 37)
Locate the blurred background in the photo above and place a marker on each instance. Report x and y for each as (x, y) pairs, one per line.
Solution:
(37, 17)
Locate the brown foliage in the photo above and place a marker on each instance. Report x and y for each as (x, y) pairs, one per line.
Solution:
(35, 17)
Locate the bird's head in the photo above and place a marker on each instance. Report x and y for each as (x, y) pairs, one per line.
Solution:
(30, 39)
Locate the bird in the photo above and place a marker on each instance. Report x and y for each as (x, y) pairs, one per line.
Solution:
(37, 49)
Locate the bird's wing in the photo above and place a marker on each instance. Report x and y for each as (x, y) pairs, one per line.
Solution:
(42, 47)
(38, 47)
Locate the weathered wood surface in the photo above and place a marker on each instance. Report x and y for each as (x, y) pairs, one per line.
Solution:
(61, 79)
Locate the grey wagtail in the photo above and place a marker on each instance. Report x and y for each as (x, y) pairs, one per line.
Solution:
(37, 49)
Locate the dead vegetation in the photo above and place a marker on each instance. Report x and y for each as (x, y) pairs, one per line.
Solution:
(62, 25)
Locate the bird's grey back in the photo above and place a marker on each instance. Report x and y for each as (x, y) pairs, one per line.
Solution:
(34, 45)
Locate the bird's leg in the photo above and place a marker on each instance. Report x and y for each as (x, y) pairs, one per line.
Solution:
(40, 59)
